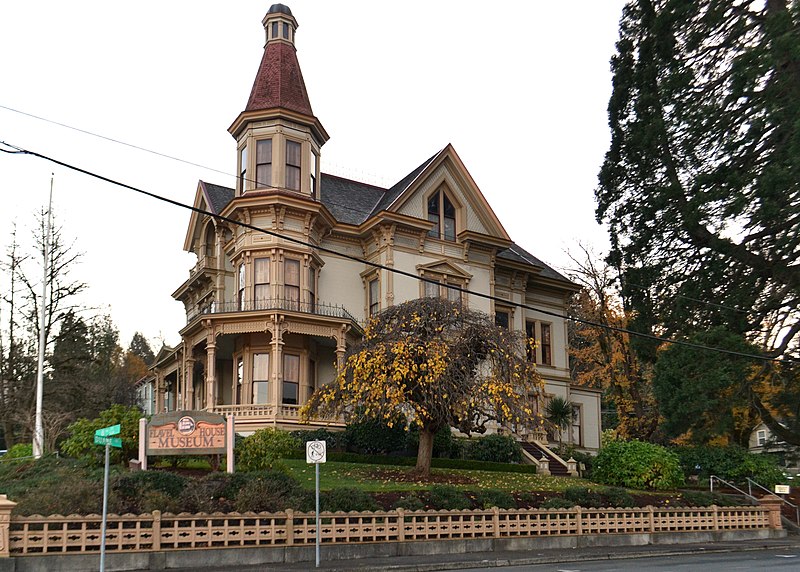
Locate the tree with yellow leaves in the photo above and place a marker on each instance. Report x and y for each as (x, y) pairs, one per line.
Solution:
(432, 364)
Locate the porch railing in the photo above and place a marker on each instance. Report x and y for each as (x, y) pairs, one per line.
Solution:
(271, 304)
(267, 412)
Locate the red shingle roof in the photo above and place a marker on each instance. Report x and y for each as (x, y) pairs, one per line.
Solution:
(279, 82)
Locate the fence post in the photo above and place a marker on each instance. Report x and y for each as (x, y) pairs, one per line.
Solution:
(401, 525)
(578, 521)
(773, 505)
(6, 506)
(496, 521)
(289, 527)
(156, 530)
(652, 518)
(715, 513)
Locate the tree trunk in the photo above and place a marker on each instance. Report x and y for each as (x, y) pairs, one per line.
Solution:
(425, 452)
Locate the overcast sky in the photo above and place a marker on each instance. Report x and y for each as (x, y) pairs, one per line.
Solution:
(519, 88)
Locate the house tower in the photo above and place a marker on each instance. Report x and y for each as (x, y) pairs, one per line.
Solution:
(278, 137)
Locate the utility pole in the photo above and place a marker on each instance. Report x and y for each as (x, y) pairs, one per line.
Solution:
(38, 431)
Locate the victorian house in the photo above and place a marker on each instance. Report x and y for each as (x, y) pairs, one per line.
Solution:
(272, 305)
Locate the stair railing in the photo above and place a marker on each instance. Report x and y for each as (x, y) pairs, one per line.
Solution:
(751, 482)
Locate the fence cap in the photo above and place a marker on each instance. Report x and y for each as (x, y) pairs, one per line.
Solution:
(5, 503)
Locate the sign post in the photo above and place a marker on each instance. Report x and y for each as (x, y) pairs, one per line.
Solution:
(104, 437)
(316, 453)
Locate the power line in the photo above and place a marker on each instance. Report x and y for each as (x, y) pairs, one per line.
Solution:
(320, 248)
(166, 156)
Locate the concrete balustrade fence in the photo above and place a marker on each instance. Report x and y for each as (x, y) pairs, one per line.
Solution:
(74, 534)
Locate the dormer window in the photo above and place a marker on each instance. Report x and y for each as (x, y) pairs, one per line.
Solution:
(264, 163)
(293, 165)
(442, 213)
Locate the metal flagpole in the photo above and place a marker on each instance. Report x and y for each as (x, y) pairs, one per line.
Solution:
(38, 431)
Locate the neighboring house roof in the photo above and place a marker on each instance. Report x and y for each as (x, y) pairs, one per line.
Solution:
(516, 253)
(279, 81)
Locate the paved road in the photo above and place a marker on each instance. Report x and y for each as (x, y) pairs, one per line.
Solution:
(781, 560)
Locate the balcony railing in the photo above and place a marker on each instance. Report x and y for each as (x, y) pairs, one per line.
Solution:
(273, 304)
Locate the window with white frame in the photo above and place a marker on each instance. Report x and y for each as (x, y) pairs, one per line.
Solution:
(291, 288)
(261, 293)
(260, 378)
(291, 379)
(761, 436)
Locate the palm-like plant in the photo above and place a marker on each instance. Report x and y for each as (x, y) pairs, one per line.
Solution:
(559, 413)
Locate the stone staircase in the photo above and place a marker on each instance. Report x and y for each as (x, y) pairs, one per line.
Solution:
(535, 451)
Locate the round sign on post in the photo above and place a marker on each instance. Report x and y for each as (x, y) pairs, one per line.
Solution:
(316, 452)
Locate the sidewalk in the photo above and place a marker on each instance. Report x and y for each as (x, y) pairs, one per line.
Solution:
(518, 558)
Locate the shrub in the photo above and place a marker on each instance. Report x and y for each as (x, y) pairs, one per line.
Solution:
(409, 502)
(448, 497)
(495, 448)
(732, 463)
(80, 443)
(18, 451)
(370, 436)
(618, 498)
(637, 465)
(347, 499)
(489, 498)
(335, 440)
(263, 449)
(270, 491)
(145, 491)
(583, 496)
(557, 502)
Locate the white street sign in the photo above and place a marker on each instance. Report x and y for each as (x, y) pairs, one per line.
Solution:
(316, 452)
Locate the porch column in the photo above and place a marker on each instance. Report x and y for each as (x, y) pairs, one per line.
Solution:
(276, 387)
(219, 253)
(211, 375)
(189, 384)
(188, 389)
(341, 345)
(160, 389)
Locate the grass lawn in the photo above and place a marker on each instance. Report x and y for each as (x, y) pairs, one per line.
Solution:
(373, 478)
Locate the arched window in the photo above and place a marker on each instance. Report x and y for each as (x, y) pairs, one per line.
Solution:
(442, 213)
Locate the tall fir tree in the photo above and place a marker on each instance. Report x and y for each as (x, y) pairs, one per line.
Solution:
(700, 187)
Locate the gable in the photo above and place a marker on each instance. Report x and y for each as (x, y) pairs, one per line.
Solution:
(210, 198)
(446, 172)
(443, 267)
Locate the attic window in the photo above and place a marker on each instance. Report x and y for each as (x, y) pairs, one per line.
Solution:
(442, 213)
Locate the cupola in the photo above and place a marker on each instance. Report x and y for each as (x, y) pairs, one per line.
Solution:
(278, 137)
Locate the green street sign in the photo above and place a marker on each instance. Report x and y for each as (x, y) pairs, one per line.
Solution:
(108, 431)
(113, 441)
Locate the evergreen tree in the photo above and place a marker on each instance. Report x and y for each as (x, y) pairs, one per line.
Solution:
(701, 184)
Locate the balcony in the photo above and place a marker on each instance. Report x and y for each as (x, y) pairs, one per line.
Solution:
(267, 415)
(273, 305)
